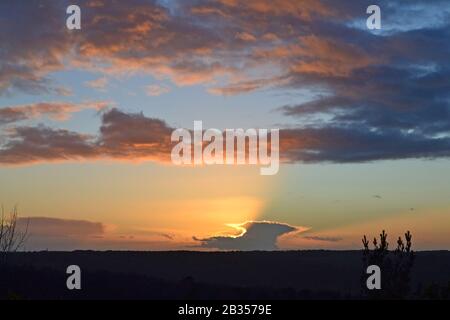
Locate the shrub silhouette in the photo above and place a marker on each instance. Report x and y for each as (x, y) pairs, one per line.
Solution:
(395, 267)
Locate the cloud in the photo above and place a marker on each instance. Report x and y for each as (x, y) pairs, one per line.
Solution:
(42, 144)
(190, 42)
(199, 41)
(326, 239)
(357, 144)
(246, 86)
(261, 10)
(99, 83)
(255, 235)
(135, 137)
(55, 227)
(31, 49)
(45, 233)
(54, 110)
(377, 96)
(131, 137)
(245, 36)
(156, 90)
(137, 36)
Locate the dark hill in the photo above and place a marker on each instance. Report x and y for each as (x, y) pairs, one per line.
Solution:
(289, 274)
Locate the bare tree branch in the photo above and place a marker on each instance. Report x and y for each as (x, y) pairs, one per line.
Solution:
(12, 238)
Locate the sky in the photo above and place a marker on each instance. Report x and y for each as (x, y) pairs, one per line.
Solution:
(86, 118)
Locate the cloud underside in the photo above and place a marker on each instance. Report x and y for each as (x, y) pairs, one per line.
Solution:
(256, 235)
(68, 234)
(55, 227)
(58, 111)
(43, 233)
(136, 138)
(371, 96)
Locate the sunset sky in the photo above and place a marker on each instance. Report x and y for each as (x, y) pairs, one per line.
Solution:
(364, 116)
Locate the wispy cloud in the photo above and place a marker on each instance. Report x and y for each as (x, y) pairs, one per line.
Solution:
(325, 239)
(156, 90)
(54, 110)
(99, 83)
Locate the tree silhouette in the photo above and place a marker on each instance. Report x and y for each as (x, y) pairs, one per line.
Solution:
(395, 266)
(11, 238)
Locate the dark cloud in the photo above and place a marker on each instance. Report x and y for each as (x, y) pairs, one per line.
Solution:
(122, 136)
(58, 234)
(53, 110)
(137, 35)
(135, 137)
(34, 43)
(256, 235)
(116, 37)
(55, 227)
(378, 95)
(326, 239)
(357, 144)
(38, 144)
(45, 233)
